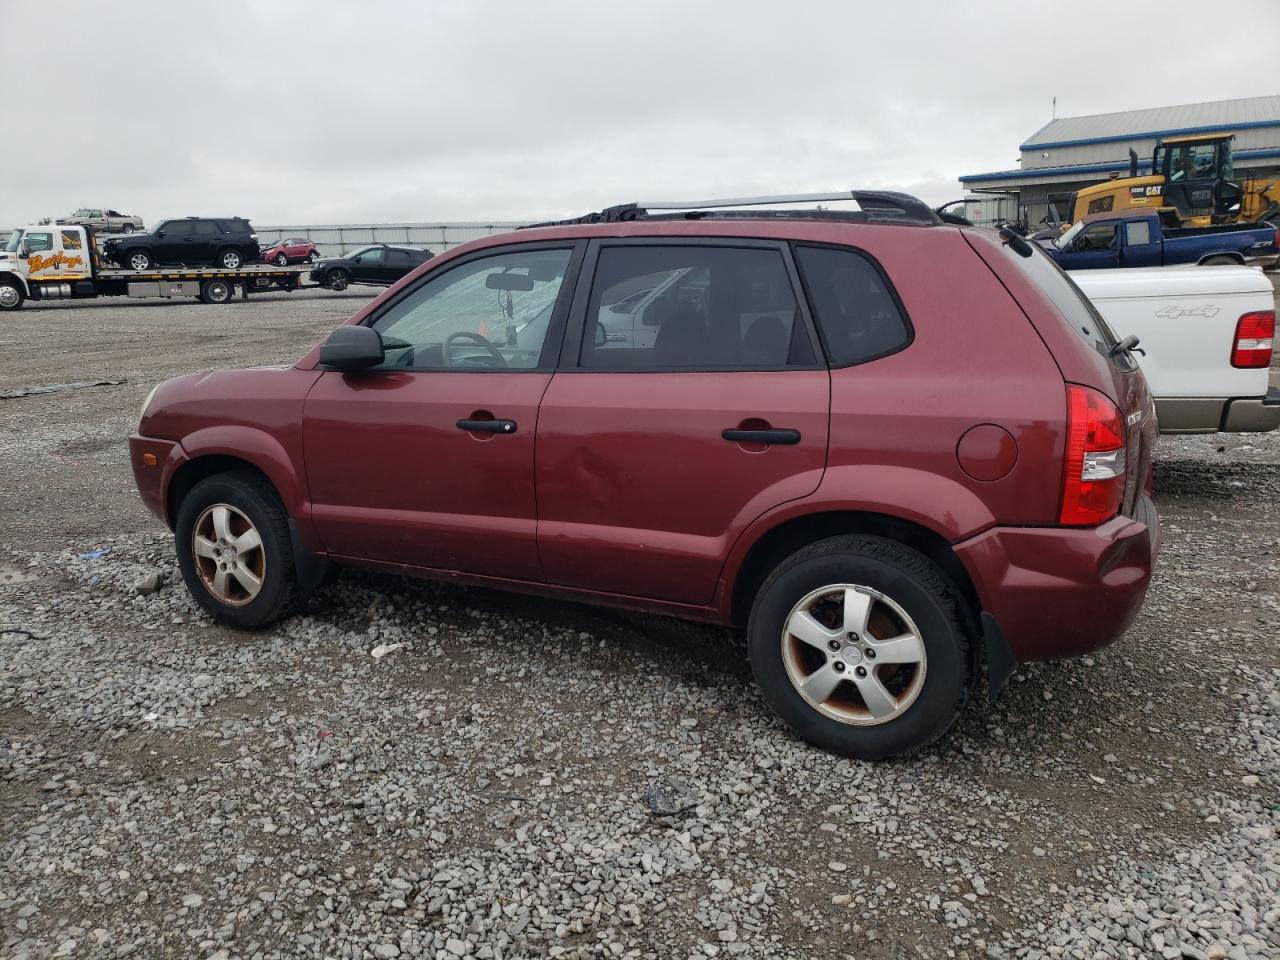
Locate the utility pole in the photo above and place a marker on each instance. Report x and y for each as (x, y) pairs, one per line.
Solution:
(1055, 108)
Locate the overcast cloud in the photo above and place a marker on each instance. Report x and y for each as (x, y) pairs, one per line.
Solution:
(319, 112)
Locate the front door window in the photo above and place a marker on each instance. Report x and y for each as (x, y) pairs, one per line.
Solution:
(487, 314)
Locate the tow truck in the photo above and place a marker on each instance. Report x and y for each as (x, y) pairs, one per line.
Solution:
(62, 261)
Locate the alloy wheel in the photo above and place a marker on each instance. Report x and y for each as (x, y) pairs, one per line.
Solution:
(853, 654)
(228, 554)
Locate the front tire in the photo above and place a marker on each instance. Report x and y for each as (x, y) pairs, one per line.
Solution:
(282, 260)
(230, 259)
(861, 645)
(128, 228)
(339, 280)
(234, 551)
(11, 295)
(139, 260)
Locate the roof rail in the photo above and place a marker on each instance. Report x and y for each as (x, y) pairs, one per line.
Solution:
(875, 206)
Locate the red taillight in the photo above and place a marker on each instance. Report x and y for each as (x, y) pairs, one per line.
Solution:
(1093, 482)
(1255, 338)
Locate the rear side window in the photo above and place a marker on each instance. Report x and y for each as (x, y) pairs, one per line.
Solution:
(206, 228)
(1067, 297)
(696, 307)
(858, 315)
(1137, 233)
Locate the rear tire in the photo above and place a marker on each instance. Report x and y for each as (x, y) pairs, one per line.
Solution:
(230, 259)
(1219, 261)
(216, 291)
(338, 280)
(11, 295)
(220, 571)
(908, 651)
(128, 228)
(138, 260)
(313, 256)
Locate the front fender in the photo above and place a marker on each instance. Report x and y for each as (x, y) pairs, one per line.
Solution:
(263, 451)
(19, 279)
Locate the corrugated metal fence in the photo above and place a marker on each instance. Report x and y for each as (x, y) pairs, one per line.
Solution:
(339, 238)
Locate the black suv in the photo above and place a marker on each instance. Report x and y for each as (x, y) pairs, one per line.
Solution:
(379, 264)
(227, 242)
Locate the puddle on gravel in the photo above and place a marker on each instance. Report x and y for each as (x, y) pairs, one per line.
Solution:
(9, 575)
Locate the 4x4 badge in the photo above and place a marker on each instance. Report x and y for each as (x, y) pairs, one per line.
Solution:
(1173, 313)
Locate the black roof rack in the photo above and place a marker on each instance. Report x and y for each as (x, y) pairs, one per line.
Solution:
(875, 206)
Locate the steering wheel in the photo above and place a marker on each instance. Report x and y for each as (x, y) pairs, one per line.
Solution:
(473, 338)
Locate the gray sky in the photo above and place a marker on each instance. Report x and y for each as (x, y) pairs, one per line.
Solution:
(320, 112)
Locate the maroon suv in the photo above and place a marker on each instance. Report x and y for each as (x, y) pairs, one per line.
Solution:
(894, 451)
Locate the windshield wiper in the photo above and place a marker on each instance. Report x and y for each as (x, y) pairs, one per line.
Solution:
(1128, 345)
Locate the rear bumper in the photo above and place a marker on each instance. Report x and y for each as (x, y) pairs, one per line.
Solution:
(1219, 414)
(154, 463)
(1253, 415)
(1060, 591)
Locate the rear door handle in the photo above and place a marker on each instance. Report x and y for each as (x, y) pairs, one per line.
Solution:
(782, 437)
(488, 426)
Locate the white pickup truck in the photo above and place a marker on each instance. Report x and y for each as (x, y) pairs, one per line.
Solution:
(1208, 334)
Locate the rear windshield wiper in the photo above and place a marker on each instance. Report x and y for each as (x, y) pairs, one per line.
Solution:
(1128, 345)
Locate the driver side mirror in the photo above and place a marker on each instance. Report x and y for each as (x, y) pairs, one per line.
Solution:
(24, 250)
(352, 348)
(159, 233)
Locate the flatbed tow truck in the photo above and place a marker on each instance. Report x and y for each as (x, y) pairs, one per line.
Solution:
(62, 261)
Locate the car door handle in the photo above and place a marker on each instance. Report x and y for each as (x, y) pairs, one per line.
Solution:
(488, 426)
(782, 436)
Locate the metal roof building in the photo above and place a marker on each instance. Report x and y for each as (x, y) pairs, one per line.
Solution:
(1073, 152)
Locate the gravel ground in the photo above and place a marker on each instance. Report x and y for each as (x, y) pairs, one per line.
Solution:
(169, 788)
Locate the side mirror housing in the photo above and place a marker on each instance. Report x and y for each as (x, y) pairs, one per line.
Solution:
(24, 250)
(352, 348)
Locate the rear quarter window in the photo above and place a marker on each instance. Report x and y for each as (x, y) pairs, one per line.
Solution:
(858, 313)
(1070, 300)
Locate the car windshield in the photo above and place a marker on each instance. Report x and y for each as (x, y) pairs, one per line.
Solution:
(15, 240)
(1065, 240)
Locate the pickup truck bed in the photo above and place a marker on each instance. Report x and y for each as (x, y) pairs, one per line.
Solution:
(1186, 320)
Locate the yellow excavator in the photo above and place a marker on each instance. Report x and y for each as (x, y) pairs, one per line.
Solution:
(1191, 183)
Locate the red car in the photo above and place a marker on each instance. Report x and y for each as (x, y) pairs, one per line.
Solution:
(894, 452)
(291, 250)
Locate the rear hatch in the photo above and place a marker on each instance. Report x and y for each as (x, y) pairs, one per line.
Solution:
(1083, 345)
